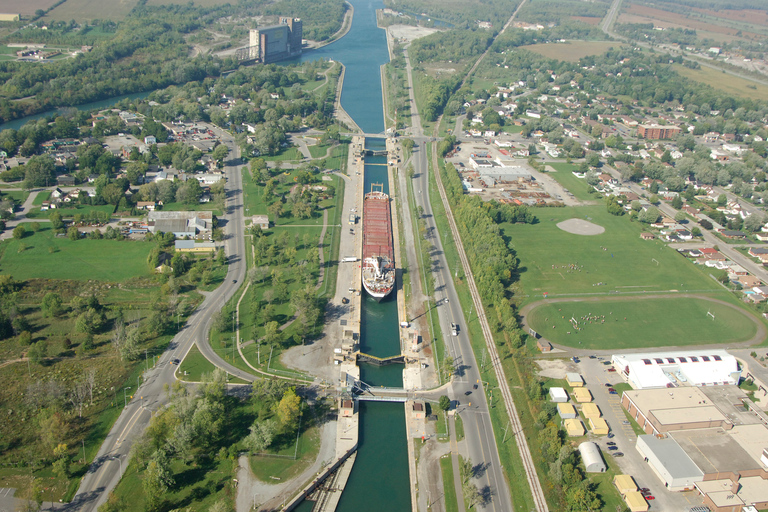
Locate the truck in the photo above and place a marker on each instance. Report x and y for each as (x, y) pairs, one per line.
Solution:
(352, 218)
(349, 259)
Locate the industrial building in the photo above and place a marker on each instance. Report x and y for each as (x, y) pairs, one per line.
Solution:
(680, 368)
(181, 224)
(558, 395)
(713, 439)
(566, 411)
(278, 42)
(590, 456)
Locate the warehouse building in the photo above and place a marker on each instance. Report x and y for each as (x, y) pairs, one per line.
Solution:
(591, 457)
(670, 462)
(680, 368)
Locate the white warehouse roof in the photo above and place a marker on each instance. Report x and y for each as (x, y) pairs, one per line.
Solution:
(679, 368)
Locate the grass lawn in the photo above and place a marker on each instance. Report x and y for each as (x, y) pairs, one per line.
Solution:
(639, 322)
(618, 258)
(449, 489)
(195, 365)
(571, 51)
(564, 175)
(199, 207)
(82, 209)
(17, 195)
(44, 195)
(84, 259)
(281, 464)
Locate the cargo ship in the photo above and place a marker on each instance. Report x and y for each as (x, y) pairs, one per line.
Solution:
(378, 266)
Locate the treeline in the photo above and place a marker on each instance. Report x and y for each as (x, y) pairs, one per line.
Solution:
(647, 32)
(455, 45)
(320, 18)
(683, 6)
(494, 263)
(546, 11)
(462, 14)
(436, 93)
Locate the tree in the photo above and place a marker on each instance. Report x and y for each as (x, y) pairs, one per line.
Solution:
(275, 209)
(38, 351)
(261, 436)
(289, 410)
(613, 206)
(55, 218)
(73, 234)
(754, 222)
(220, 152)
(157, 479)
(649, 216)
(447, 367)
(19, 232)
(444, 403)
(677, 202)
(722, 200)
(272, 334)
(51, 305)
(680, 216)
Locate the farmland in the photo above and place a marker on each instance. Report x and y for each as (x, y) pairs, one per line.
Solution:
(27, 8)
(81, 10)
(733, 85)
(627, 322)
(571, 51)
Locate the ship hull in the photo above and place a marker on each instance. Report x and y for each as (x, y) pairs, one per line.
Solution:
(378, 262)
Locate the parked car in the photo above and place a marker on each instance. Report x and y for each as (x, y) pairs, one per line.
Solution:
(610, 435)
(608, 384)
(611, 443)
(649, 497)
(618, 454)
(645, 489)
(625, 422)
(606, 363)
(612, 448)
(612, 393)
(592, 357)
(611, 369)
(611, 389)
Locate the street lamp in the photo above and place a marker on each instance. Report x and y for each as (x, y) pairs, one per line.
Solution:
(125, 400)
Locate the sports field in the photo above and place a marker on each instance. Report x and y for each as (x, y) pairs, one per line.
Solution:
(571, 51)
(102, 260)
(640, 322)
(557, 263)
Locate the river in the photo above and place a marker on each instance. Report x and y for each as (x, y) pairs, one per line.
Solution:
(379, 480)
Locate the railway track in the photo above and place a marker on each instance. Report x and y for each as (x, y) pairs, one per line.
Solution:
(537, 492)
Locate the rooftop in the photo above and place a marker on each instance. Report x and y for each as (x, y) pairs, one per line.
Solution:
(672, 456)
(715, 450)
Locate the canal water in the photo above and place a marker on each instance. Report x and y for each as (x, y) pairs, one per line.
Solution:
(100, 104)
(379, 480)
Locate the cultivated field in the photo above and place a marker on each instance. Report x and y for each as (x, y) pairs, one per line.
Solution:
(616, 261)
(731, 84)
(198, 3)
(641, 322)
(80, 10)
(101, 260)
(571, 51)
(723, 30)
(27, 8)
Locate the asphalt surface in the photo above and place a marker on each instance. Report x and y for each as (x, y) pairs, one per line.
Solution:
(473, 406)
(112, 458)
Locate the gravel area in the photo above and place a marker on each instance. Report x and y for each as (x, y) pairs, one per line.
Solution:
(581, 227)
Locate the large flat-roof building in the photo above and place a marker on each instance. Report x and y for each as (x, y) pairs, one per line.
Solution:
(679, 368)
(670, 462)
(655, 131)
(278, 42)
(181, 224)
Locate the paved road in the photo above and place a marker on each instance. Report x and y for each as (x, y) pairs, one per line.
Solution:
(105, 471)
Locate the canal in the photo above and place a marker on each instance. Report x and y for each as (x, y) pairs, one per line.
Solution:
(379, 480)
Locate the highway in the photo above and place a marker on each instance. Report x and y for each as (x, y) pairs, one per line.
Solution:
(112, 458)
(480, 441)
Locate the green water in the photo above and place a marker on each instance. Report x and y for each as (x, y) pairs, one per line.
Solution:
(379, 480)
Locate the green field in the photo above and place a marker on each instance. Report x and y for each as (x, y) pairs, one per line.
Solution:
(733, 85)
(84, 259)
(571, 51)
(564, 175)
(561, 264)
(81, 10)
(638, 322)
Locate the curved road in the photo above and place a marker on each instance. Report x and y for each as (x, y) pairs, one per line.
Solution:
(111, 460)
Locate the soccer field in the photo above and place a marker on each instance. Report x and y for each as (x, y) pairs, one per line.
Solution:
(618, 323)
(557, 263)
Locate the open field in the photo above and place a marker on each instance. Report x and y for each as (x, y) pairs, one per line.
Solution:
(617, 259)
(564, 176)
(723, 30)
(733, 85)
(571, 51)
(640, 322)
(102, 260)
(198, 3)
(81, 10)
(27, 8)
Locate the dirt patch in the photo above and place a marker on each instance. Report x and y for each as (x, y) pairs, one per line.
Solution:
(581, 227)
(552, 368)
(666, 19)
(589, 20)
(407, 33)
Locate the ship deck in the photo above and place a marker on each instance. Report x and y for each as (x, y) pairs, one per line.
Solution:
(377, 228)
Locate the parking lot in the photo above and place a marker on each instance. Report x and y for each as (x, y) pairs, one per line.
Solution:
(596, 375)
